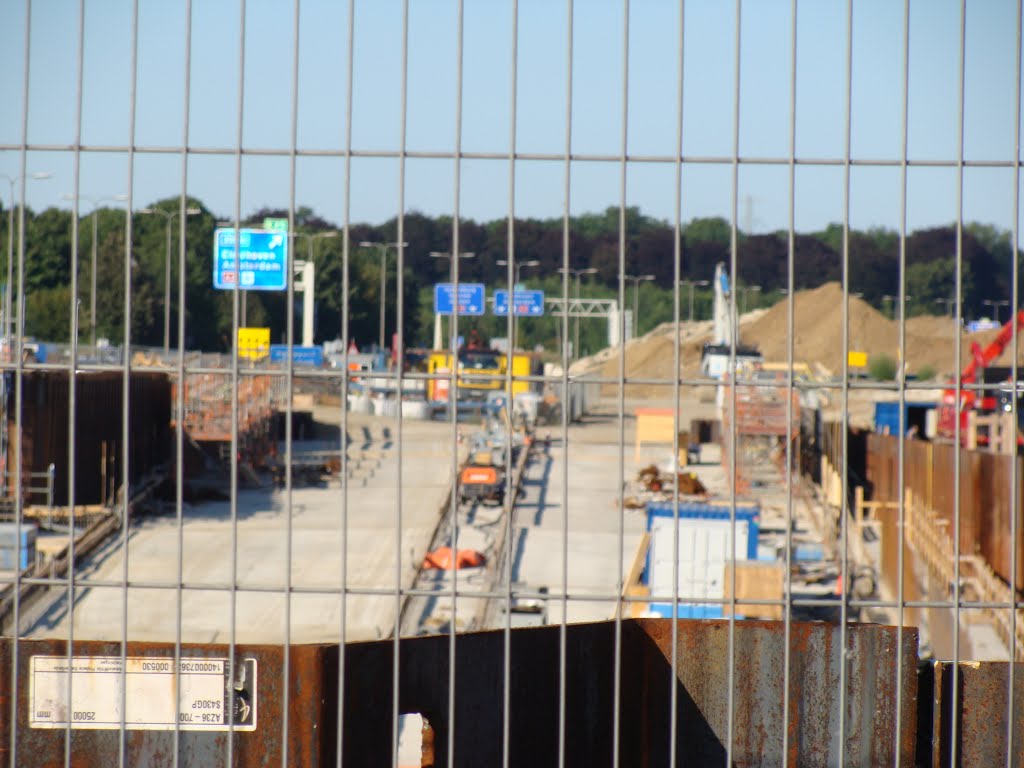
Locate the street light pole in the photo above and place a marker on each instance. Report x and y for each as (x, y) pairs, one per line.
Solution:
(691, 284)
(8, 300)
(95, 201)
(383, 248)
(636, 280)
(168, 217)
(519, 267)
(451, 278)
(511, 299)
(577, 273)
(746, 291)
(995, 306)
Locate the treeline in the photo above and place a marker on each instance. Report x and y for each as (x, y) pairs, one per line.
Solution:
(593, 244)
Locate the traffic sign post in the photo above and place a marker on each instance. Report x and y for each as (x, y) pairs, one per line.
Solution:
(262, 260)
(525, 303)
(470, 302)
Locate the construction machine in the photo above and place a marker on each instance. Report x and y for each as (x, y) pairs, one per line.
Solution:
(481, 371)
(716, 357)
(979, 371)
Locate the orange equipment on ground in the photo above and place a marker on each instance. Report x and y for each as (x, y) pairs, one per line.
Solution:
(441, 558)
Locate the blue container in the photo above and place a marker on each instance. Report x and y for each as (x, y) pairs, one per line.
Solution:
(17, 547)
(887, 416)
(693, 510)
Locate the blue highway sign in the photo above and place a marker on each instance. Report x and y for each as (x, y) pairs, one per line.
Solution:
(524, 303)
(313, 356)
(471, 299)
(262, 256)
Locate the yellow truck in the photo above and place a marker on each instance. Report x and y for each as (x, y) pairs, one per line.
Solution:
(481, 371)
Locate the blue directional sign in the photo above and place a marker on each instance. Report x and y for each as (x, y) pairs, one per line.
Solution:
(524, 303)
(262, 256)
(471, 299)
(312, 356)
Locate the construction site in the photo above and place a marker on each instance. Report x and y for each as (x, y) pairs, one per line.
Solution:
(471, 384)
(352, 517)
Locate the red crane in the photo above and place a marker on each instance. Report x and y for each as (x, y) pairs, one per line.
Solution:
(971, 399)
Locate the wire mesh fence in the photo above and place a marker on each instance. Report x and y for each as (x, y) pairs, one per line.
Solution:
(475, 384)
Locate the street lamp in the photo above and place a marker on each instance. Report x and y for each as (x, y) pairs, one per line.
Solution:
(894, 300)
(511, 302)
(451, 277)
(12, 180)
(748, 289)
(995, 306)
(168, 217)
(636, 280)
(95, 201)
(950, 303)
(692, 283)
(383, 248)
(577, 273)
(519, 266)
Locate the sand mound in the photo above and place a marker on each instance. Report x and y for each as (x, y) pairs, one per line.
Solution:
(818, 328)
(817, 339)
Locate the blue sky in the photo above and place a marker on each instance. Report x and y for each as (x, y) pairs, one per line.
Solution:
(708, 87)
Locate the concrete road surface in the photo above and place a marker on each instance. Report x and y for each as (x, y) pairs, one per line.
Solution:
(264, 552)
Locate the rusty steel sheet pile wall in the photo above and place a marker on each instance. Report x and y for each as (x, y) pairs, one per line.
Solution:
(647, 679)
(701, 682)
(98, 430)
(986, 494)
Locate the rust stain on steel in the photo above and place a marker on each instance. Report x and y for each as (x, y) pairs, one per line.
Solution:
(981, 716)
(310, 698)
(815, 705)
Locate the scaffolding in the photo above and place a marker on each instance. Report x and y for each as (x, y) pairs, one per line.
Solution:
(763, 419)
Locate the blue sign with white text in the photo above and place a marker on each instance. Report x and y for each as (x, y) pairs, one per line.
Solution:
(524, 303)
(312, 356)
(262, 260)
(471, 299)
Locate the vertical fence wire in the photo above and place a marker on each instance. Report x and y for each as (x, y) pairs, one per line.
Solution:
(179, 397)
(844, 506)
(126, 484)
(566, 358)
(787, 607)
(19, 372)
(957, 586)
(621, 486)
(236, 297)
(290, 383)
(510, 388)
(901, 457)
(1014, 495)
(731, 395)
(345, 380)
(73, 364)
(677, 257)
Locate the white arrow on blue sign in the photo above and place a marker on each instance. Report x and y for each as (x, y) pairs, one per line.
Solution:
(471, 299)
(525, 303)
(262, 260)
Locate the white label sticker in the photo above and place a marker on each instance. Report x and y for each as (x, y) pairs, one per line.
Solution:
(207, 700)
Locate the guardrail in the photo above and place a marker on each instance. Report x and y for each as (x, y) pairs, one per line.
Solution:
(29, 484)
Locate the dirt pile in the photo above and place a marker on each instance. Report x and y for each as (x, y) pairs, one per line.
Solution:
(817, 340)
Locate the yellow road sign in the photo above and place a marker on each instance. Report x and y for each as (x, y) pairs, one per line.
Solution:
(253, 343)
